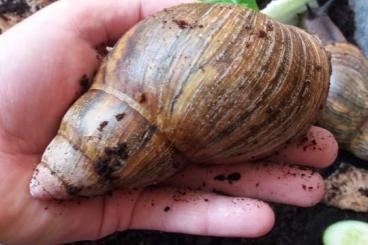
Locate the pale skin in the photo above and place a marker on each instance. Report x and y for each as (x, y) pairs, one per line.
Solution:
(42, 61)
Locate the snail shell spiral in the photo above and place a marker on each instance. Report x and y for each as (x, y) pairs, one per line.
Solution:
(346, 110)
(196, 83)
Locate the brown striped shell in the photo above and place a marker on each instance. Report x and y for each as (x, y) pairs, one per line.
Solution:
(197, 83)
(346, 110)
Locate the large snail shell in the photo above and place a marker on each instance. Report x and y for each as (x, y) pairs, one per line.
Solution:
(197, 83)
(346, 111)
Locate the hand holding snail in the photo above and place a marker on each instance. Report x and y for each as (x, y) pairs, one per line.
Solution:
(40, 82)
(196, 83)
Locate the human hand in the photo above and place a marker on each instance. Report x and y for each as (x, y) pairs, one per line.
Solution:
(43, 60)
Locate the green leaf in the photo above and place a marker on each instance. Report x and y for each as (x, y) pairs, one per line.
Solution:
(285, 10)
(251, 4)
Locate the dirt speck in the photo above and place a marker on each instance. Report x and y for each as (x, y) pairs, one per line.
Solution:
(269, 27)
(112, 161)
(84, 83)
(269, 109)
(141, 97)
(120, 150)
(307, 143)
(103, 169)
(182, 24)
(167, 209)
(220, 177)
(102, 125)
(233, 177)
(262, 34)
(119, 117)
(363, 191)
(73, 190)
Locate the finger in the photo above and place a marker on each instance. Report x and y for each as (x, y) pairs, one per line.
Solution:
(268, 181)
(170, 210)
(318, 148)
(176, 210)
(173, 210)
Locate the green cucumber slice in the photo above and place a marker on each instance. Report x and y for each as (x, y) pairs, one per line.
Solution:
(347, 232)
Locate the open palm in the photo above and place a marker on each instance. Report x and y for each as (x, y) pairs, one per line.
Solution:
(44, 61)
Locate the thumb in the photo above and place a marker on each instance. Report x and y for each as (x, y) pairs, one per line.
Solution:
(57, 61)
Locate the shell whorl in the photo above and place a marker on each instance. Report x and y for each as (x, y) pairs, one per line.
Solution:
(197, 83)
(346, 110)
